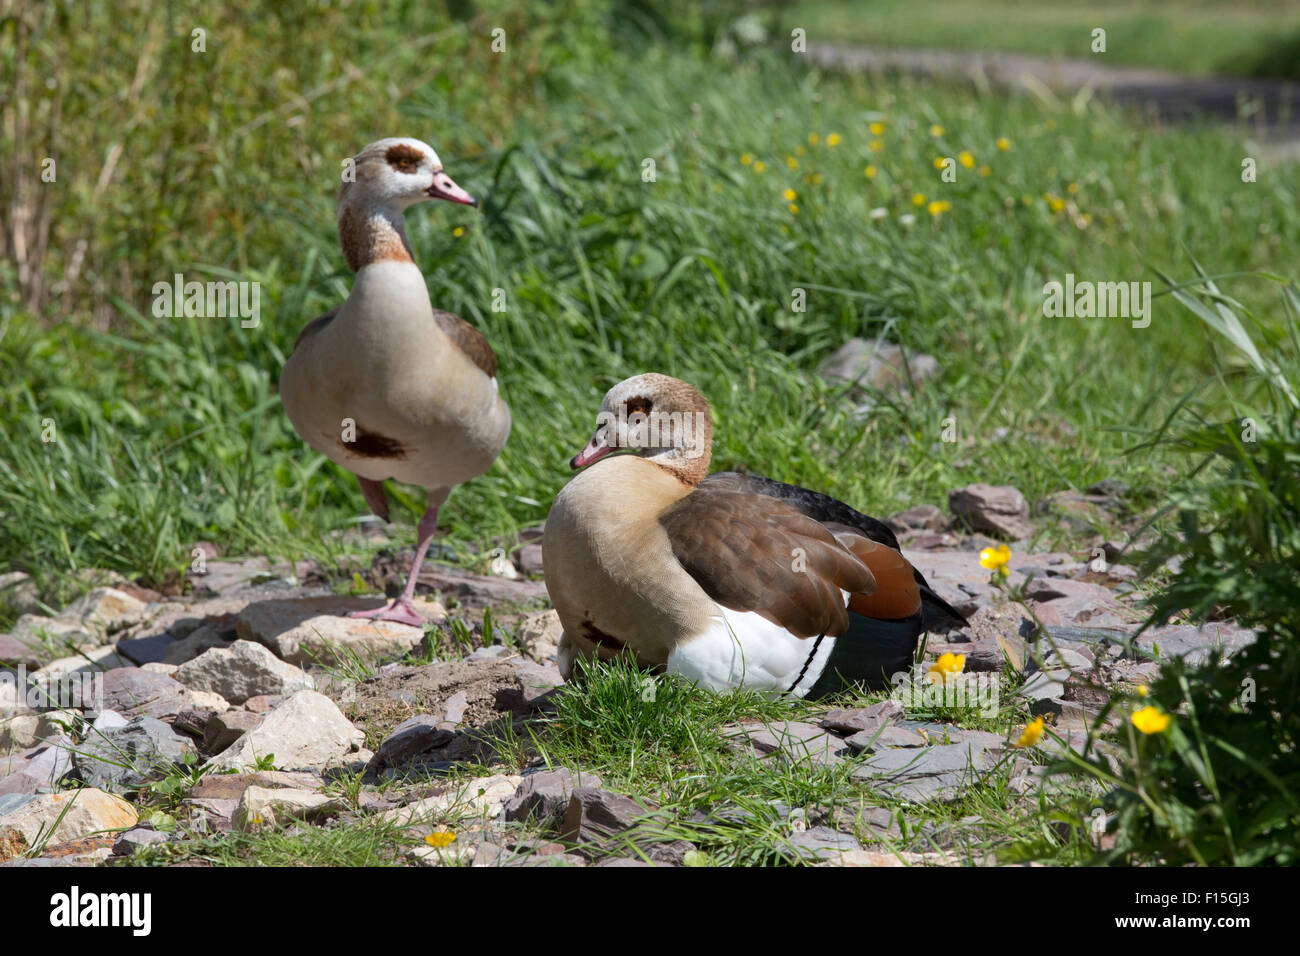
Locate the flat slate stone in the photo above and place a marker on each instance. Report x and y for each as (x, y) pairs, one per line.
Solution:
(926, 773)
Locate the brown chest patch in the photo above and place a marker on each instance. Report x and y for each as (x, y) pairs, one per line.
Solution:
(366, 239)
(469, 340)
(374, 445)
(598, 637)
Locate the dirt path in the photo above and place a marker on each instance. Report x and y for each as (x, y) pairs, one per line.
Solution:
(1271, 107)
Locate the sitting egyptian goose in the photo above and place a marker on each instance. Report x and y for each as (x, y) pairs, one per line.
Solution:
(729, 579)
(385, 385)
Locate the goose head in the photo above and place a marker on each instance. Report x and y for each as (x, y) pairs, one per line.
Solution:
(662, 419)
(396, 173)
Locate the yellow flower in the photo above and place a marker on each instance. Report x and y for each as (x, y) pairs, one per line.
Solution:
(966, 159)
(985, 170)
(1055, 203)
(1150, 721)
(870, 172)
(918, 199)
(458, 232)
(799, 150)
(746, 159)
(876, 145)
(794, 210)
(995, 559)
(760, 166)
(440, 839)
(877, 129)
(813, 139)
(938, 206)
(948, 665)
(789, 195)
(1033, 730)
(936, 130)
(1004, 144)
(792, 162)
(833, 140)
(1142, 690)
(940, 162)
(1072, 189)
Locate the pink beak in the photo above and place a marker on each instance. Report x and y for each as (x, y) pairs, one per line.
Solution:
(444, 187)
(594, 450)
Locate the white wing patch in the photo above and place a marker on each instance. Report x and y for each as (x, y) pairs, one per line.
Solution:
(743, 648)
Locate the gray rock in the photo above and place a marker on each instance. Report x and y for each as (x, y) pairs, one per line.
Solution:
(305, 730)
(856, 719)
(794, 741)
(16, 653)
(412, 737)
(818, 843)
(202, 638)
(530, 559)
(882, 366)
(35, 630)
(494, 652)
(243, 670)
(539, 635)
(38, 770)
(124, 759)
(105, 609)
(594, 817)
(107, 720)
(544, 797)
(1062, 601)
(453, 709)
(137, 839)
(317, 629)
(993, 509)
(224, 729)
(146, 650)
(1195, 644)
(12, 801)
(920, 518)
(927, 773)
(133, 692)
(477, 590)
(885, 736)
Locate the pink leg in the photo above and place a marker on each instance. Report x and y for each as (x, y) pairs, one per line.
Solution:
(402, 610)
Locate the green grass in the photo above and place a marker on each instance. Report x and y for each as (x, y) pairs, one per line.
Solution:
(1202, 37)
(169, 431)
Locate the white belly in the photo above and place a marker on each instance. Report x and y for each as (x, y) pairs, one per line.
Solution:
(745, 649)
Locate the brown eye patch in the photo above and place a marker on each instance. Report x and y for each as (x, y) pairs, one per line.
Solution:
(403, 158)
(642, 405)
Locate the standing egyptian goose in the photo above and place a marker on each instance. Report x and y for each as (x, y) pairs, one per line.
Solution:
(728, 579)
(385, 385)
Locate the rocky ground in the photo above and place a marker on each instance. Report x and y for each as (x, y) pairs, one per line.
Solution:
(250, 706)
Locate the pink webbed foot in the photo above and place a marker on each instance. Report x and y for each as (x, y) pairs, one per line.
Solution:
(401, 611)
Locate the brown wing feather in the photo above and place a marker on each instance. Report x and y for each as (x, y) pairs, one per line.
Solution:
(897, 594)
(753, 553)
(469, 340)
